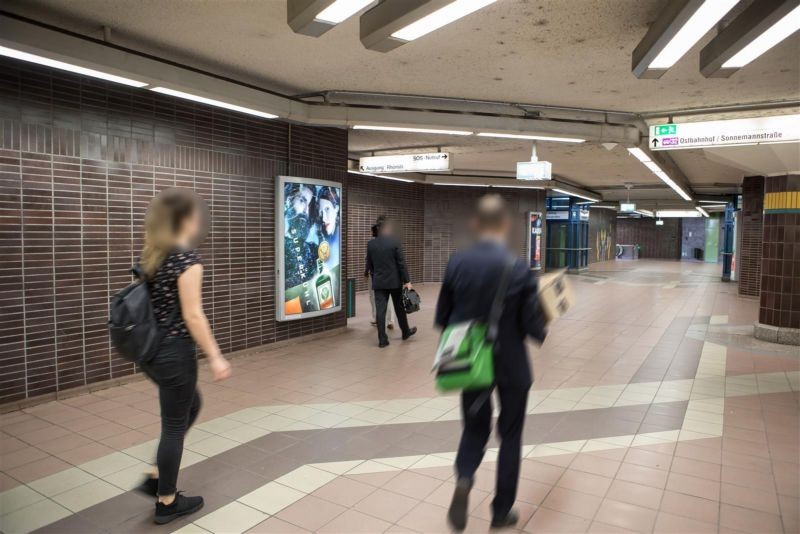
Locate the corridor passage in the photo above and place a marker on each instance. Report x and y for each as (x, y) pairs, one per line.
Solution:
(653, 409)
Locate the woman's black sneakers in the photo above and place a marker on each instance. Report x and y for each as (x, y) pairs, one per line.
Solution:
(149, 486)
(179, 507)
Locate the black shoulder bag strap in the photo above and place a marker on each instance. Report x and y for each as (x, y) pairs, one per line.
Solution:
(495, 313)
(138, 273)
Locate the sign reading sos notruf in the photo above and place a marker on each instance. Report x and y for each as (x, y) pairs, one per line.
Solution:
(754, 131)
(430, 162)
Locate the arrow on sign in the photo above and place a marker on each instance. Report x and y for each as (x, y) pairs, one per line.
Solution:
(655, 143)
(445, 156)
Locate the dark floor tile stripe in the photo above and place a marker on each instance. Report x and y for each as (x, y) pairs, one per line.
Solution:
(238, 471)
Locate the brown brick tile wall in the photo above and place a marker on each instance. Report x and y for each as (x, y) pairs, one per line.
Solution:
(780, 265)
(370, 197)
(659, 242)
(79, 161)
(752, 220)
(447, 211)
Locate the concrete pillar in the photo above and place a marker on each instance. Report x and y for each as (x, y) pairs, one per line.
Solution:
(779, 311)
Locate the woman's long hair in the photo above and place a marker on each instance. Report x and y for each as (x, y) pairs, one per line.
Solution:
(164, 216)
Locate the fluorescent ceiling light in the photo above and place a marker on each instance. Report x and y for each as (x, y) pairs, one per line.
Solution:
(212, 102)
(570, 193)
(639, 154)
(315, 17)
(341, 10)
(646, 213)
(722, 202)
(752, 33)
(491, 186)
(441, 17)
(411, 130)
(706, 16)
(680, 25)
(782, 29)
(47, 62)
(602, 206)
(677, 213)
(701, 210)
(383, 176)
(532, 137)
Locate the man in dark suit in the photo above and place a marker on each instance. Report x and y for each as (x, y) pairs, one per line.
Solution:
(470, 284)
(387, 266)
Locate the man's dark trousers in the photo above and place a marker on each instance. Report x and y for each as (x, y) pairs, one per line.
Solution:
(381, 301)
(476, 407)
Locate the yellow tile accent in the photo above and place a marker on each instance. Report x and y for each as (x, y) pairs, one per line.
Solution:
(784, 200)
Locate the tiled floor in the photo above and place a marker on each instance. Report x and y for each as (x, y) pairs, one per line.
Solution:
(654, 410)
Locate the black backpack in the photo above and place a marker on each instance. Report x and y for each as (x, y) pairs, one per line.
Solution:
(411, 300)
(134, 330)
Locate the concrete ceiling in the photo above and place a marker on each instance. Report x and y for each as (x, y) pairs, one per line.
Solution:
(551, 52)
(575, 53)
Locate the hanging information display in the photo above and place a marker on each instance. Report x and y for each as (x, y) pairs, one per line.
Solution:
(308, 247)
(535, 240)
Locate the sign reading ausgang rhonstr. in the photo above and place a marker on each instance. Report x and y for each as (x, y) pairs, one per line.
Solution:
(431, 162)
(755, 131)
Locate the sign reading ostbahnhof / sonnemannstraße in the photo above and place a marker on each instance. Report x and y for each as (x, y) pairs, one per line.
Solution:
(753, 131)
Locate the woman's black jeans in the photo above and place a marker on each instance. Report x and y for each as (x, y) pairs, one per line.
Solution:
(174, 370)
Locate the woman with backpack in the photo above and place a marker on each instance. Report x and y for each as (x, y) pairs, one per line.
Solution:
(172, 268)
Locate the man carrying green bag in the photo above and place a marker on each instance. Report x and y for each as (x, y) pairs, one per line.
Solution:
(487, 307)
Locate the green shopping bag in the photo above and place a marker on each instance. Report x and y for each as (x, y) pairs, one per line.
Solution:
(465, 356)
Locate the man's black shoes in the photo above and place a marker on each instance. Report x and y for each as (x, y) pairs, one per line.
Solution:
(411, 332)
(508, 520)
(457, 514)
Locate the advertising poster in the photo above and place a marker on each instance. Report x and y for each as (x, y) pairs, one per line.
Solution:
(535, 240)
(308, 243)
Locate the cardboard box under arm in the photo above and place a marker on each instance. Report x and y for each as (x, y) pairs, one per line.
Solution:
(555, 294)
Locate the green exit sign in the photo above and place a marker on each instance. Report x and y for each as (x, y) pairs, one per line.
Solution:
(666, 129)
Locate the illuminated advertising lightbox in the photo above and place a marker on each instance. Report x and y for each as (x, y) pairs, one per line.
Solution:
(308, 247)
(535, 240)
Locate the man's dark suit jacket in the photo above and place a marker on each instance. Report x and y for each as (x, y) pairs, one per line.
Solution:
(386, 263)
(470, 284)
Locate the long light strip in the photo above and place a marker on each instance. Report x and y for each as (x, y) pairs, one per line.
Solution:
(639, 154)
(664, 214)
(492, 186)
(646, 213)
(412, 130)
(212, 102)
(341, 10)
(701, 210)
(47, 62)
(779, 31)
(381, 176)
(532, 137)
(695, 28)
(570, 193)
(441, 17)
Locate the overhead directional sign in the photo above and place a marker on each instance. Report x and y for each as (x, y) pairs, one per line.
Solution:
(430, 162)
(754, 131)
